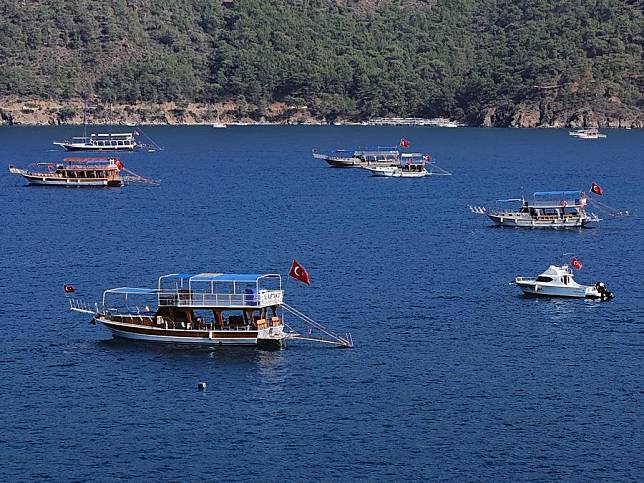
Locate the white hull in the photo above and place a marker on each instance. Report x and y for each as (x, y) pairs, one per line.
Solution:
(273, 335)
(531, 223)
(65, 182)
(91, 147)
(554, 291)
(395, 172)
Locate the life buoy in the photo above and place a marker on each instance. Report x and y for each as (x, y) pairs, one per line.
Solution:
(563, 203)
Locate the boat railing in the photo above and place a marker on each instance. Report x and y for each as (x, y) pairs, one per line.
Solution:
(79, 305)
(196, 299)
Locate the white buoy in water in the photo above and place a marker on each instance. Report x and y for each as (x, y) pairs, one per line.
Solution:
(201, 386)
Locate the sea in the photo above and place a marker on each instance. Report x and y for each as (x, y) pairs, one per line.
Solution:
(454, 374)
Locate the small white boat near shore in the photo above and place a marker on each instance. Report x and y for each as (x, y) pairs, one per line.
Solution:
(590, 133)
(558, 281)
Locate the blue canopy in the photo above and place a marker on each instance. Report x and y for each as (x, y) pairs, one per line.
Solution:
(561, 194)
(133, 290)
(226, 277)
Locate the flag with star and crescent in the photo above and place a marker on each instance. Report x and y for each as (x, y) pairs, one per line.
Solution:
(298, 272)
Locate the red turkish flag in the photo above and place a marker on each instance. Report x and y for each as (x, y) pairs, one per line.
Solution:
(576, 263)
(404, 143)
(595, 188)
(298, 272)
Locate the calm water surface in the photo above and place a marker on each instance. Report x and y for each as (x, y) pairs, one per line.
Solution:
(454, 374)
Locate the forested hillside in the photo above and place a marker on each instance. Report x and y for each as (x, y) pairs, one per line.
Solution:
(498, 62)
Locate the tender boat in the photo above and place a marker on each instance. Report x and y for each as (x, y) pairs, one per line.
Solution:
(549, 209)
(590, 133)
(412, 165)
(102, 142)
(380, 156)
(74, 172)
(558, 281)
(204, 309)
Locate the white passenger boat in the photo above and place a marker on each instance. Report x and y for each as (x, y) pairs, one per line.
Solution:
(558, 281)
(102, 142)
(412, 165)
(549, 209)
(590, 133)
(204, 309)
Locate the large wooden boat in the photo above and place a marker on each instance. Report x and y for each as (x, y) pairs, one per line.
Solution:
(204, 309)
(74, 172)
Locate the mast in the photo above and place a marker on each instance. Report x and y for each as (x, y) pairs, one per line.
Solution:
(85, 120)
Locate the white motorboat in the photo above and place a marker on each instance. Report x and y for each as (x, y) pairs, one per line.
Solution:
(218, 125)
(412, 165)
(591, 133)
(558, 281)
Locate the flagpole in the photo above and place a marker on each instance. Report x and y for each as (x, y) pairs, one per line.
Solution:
(283, 313)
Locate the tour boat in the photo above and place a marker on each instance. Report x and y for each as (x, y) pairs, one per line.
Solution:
(81, 172)
(411, 165)
(205, 309)
(448, 123)
(549, 209)
(591, 133)
(380, 156)
(74, 172)
(558, 281)
(102, 142)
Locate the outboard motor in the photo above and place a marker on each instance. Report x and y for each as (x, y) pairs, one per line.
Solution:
(604, 293)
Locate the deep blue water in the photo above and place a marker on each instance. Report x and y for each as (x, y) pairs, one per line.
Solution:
(454, 375)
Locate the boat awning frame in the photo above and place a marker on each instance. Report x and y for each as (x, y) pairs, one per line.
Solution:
(561, 194)
(187, 279)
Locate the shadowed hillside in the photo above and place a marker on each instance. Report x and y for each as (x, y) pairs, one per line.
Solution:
(492, 62)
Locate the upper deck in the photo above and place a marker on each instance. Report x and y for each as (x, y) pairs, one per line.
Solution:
(211, 290)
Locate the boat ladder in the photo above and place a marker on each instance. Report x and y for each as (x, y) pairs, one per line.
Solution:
(331, 337)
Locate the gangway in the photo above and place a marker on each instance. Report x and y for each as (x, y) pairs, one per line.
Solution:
(333, 338)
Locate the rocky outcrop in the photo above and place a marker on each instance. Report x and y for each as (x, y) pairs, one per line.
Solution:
(553, 114)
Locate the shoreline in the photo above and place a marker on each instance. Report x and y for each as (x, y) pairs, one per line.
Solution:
(15, 111)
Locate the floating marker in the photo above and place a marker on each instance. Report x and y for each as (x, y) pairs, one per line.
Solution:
(201, 386)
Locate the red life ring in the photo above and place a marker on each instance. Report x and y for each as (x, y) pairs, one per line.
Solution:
(563, 203)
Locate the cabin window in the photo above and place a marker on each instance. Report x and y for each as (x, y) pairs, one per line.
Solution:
(113, 143)
(541, 278)
(120, 143)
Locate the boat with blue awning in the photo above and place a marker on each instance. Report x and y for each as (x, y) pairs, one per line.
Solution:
(204, 308)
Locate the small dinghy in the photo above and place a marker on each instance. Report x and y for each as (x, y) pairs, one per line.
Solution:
(558, 281)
